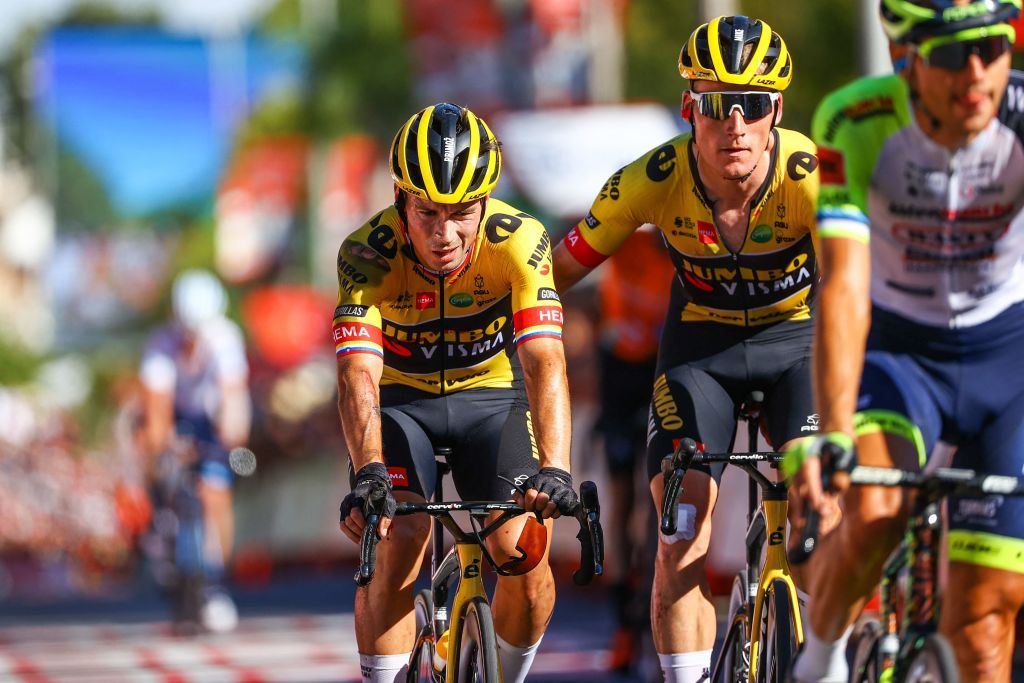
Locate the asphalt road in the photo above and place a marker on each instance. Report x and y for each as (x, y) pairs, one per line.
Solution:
(297, 629)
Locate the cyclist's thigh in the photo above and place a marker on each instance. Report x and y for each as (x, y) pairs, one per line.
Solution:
(904, 401)
(491, 436)
(408, 452)
(989, 531)
(688, 403)
(625, 399)
(789, 405)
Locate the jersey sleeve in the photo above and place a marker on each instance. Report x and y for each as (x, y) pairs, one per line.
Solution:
(536, 308)
(362, 272)
(808, 187)
(625, 202)
(850, 126)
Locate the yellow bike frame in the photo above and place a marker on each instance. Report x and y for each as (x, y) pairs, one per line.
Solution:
(471, 585)
(775, 566)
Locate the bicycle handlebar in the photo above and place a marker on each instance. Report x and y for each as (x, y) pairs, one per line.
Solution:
(587, 513)
(674, 468)
(944, 481)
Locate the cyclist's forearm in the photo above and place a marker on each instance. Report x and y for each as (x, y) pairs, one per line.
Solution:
(547, 390)
(235, 419)
(359, 409)
(843, 319)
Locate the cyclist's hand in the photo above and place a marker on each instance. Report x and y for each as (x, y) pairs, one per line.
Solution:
(802, 467)
(371, 493)
(549, 493)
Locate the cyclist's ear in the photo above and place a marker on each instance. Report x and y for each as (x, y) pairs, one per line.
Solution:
(778, 112)
(686, 107)
(532, 544)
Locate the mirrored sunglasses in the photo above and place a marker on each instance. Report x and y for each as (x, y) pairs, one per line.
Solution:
(753, 105)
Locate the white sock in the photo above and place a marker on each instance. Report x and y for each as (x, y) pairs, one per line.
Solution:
(822, 661)
(515, 661)
(384, 668)
(686, 667)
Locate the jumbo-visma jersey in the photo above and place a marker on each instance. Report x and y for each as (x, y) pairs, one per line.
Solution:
(453, 333)
(771, 278)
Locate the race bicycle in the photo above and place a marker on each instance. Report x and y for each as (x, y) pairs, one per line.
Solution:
(904, 645)
(457, 644)
(764, 630)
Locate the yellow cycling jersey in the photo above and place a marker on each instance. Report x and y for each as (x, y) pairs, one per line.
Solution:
(770, 279)
(451, 333)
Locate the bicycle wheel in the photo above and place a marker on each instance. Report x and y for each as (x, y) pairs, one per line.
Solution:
(932, 662)
(478, 648)
(733, 665)
(778, 635)
(865, 667)
(421, 666)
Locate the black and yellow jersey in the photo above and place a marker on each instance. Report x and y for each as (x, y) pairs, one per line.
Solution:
(772, 276)
(451, 333)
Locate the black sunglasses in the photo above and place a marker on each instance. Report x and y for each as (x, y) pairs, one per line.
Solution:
(954, 56)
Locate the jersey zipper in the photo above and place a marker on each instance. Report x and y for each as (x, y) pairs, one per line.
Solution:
(443, 350)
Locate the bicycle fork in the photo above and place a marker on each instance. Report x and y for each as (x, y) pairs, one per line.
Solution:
(776, 566)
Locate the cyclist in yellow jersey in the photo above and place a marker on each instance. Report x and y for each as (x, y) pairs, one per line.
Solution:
(448, 333)
(735, 202)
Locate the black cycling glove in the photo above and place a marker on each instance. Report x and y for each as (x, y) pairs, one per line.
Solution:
(371, 492)
(557, 483)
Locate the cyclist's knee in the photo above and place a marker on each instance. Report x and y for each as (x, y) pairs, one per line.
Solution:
(875, 514)
(983, 644)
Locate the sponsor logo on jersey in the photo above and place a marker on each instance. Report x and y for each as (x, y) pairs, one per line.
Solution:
(591, 220)
(425, 300)
(978, 509)
(541, 251)
(351, 331)
(610, 190)
(706, 233)
(382, 238)
(500, 226)
(801, 164)
(812, 423)
(761, 234)
(661, 163)
(547, 294)
(399, 476)
(351, 310)
(461, 300)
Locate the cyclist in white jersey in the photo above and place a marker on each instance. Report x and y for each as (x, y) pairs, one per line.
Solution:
(920, 215)
(194, 375)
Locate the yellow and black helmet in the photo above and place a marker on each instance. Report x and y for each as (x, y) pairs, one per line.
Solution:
(718, 51)
(447, 154)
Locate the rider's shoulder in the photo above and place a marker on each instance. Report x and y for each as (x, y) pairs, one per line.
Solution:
(867, 102)
(505, 226)
(366, 255)
(1011, 109)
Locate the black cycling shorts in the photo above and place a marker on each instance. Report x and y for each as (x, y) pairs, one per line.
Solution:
(487, 430)
(706, 371)
(625, 400)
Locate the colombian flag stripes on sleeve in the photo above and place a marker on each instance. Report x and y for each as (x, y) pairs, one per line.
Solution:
(538, 321)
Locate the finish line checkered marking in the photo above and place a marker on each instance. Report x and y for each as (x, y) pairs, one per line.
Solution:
(306, 649)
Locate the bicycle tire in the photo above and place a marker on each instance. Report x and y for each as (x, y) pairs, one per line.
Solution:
(421, 664)
(478, 646)
(864, 666)
(779, 644)
(733, 665)
(932, 662)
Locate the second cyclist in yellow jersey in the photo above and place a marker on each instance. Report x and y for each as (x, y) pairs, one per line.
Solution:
(735, 202)
(766, 278)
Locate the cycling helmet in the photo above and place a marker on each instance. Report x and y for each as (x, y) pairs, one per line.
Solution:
(196, 298)
(717, 51)
(913, 21)
(447, 154)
